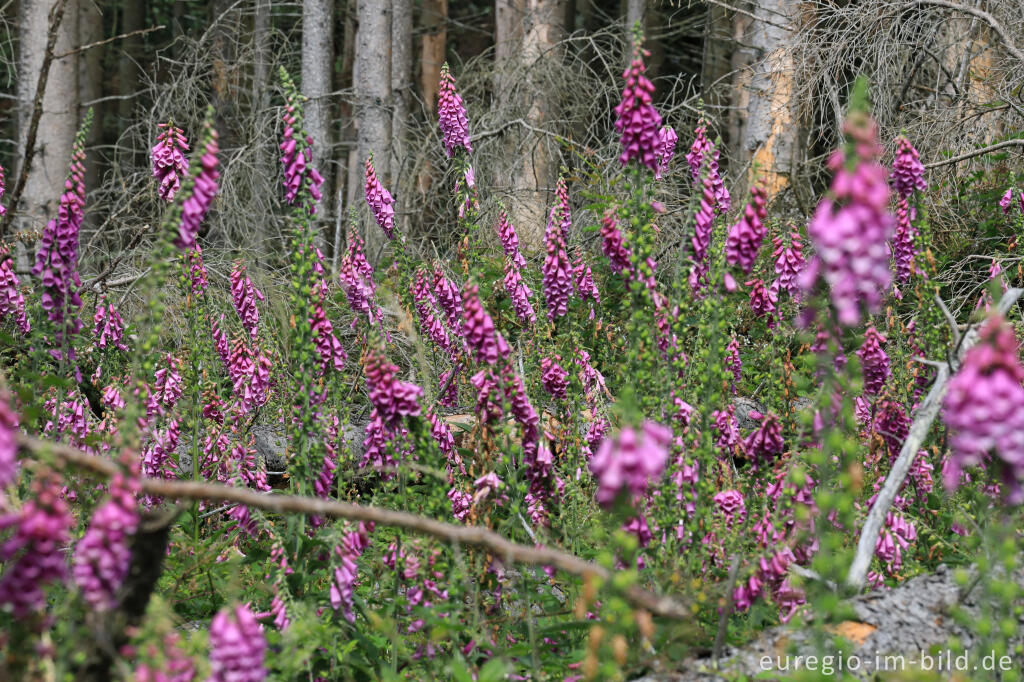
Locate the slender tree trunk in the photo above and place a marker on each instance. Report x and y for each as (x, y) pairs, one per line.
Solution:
(526, 31)
(401, 83)
(261, 61)
(767, 137)
(373, 92)
(347, 182)
(635, 11)
(133, 15)
(317, 69)
(90, 84)
(433, 28)
(59, 120)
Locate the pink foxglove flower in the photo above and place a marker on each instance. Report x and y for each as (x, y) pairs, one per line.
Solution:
(168, 158)
(519, 293)
(892, 423)
(554, 379)
(558, 275)
(509, 239)
(346, 574)
(733, 363)
(907, 169)
(356, 277)
(763, 300)
(427, 308)
(903, 250)
(984, 409)
(727, 428)
(380, 200)
(300, 177)
(332, 354)
(108, 327)
(478, 330)
(765, 441)
(57, 258)
(167, 387)
(197, 204)
(8, 443)
(667, 139)
(237, 646)
(244, 296)
(564, 209)
(103, 555)
(392, 398)
(745, 237)
(196, 270)
(637, 121)
(12, 302)
(33, 555)
(631, 462)
(704, 149)
(874, 362)
(789, 263)
(731, 504)
(449, 298)
(895, 536)
(703, 221)
(3, 186)
(1006, 203)
(452, 115)
(851, 228)
(613, 245)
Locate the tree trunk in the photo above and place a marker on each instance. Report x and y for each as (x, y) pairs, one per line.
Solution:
(401, 83)
(261, 58)
(767, 136)
(347, 179)
(90, 84)
(59, 120)
(525, 32)
(433, 28)
(635, 11)
(133, 15)
(373, 91)
(317, 69)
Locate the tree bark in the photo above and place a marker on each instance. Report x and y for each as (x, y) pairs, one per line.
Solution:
(133, 15)
(317, 69)
(525, 33)
(45, 181)
(401, 83)
(433, 28)
(767, 132)
(90, 84)
(373, 92)
(635, 11)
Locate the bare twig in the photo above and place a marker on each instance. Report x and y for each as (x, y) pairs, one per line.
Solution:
(918, 432)
(98, 43)
(56, 15)
(459, 535)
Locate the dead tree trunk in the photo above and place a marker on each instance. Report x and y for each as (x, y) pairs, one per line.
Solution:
(59, 120)
(317, 68)
(433, 28)
(133, 15)
(401, 82)
(526, 32)
(765, 133)
(373, 90)
(90, 83)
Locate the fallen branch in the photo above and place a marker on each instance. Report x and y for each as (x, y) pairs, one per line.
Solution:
(977, 152)
(56, 15)
(918, 432)
(460, 535)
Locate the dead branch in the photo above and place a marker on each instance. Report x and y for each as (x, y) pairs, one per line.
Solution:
(977, 152)
(98, 43)
(474, 536)
(919, 430)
